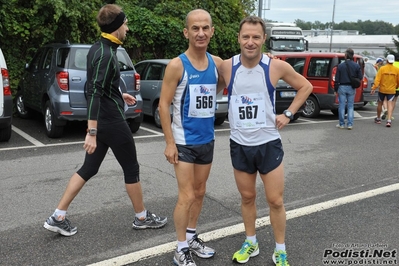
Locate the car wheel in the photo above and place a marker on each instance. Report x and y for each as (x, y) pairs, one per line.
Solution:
(157, 118)
(312, 108)
(134, 125)
(219, 120)
(5, 133)
(22, 111)
(50, 122)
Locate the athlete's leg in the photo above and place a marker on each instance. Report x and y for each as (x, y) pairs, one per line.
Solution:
(186, 197)
(274, 189)
(246, 184)
(201, 174)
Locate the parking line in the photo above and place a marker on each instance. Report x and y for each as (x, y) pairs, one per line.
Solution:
(152, 131)
(27, 137)
(239, 228)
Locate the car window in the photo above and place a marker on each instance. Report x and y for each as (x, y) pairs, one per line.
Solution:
(154, 72)
(62, 57)
(319, 67)
(47, 59)
(297, 64)
(140, 68)
(80, 59)
(125, 64)
(34, 64)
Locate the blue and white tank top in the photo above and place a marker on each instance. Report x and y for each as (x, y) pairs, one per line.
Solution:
(252, 98)
(194, 104)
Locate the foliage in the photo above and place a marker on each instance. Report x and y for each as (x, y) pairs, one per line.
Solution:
(156, 26)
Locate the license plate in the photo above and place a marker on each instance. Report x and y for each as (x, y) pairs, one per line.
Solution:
(287, 94)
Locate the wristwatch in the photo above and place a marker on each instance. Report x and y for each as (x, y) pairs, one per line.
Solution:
(288, 114)
(92, 131)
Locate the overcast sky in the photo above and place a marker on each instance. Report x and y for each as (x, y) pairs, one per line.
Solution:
(322, 10)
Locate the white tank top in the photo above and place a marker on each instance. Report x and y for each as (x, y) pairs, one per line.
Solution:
(252, 112)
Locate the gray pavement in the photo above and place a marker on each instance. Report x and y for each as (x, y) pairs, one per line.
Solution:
(322, 163)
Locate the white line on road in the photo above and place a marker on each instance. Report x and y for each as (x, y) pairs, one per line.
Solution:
(239, 228)
(27, 137)
(152, 131)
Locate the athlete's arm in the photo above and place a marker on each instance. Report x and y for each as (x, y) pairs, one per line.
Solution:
(221, 83)
(173, 74)
(282, 70)
(225, 71)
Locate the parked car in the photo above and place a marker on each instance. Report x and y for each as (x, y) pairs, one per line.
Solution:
(320, 69)
(151, 73)
(368, 81)
(53, 84)
(6, 107)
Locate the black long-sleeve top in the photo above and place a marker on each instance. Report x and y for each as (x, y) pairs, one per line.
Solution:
(342, 77)
(104, 99)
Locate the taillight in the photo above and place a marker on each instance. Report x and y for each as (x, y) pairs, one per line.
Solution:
(6, 82)
(225, 91)
(137, 77)
(333, 72)
(62, 80)
(365, 82)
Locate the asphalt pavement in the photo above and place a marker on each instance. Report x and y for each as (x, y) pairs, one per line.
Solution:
(341, 198)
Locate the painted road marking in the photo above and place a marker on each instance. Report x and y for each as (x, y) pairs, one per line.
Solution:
(239, 228)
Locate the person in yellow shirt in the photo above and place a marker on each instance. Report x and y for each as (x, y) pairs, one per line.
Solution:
(387, 80)
(396, 64)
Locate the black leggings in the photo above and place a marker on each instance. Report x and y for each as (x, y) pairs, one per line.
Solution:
(118, 137)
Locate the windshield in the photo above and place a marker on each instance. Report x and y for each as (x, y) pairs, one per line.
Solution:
(287, 45)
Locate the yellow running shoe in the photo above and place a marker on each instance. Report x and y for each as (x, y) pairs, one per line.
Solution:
(280, 258)
(248, 250)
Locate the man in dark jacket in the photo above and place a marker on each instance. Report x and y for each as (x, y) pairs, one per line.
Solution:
(346, 94)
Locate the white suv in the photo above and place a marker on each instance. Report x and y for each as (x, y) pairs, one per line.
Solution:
(6, 104)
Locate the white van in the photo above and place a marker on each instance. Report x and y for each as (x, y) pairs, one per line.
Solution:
(6, 103)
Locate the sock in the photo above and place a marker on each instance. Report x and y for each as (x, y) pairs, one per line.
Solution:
(141, 215)
(59, 214)
(181, 244)
(190, 232)
(252, 238)
(280, 246)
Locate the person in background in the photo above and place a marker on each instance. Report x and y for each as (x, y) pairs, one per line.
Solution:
(395, 64)
(378, 63)
(191, 83)
(387, 80)
(255, 143)
(346, 94)
(107, 126)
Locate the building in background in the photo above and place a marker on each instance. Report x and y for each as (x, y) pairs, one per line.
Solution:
(372, 46)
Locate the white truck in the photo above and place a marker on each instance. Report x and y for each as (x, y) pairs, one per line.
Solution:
(285, 37)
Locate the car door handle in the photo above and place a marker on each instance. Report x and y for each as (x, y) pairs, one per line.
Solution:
(76, 79)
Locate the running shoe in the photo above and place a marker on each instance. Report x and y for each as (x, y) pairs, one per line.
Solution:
(377, 120)
(62, 227)
(248, 250)
(152, 221)
(350, 127)
(339, 126)
(183, 258)
(199, 249)
(388, 123)
(280, 258)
